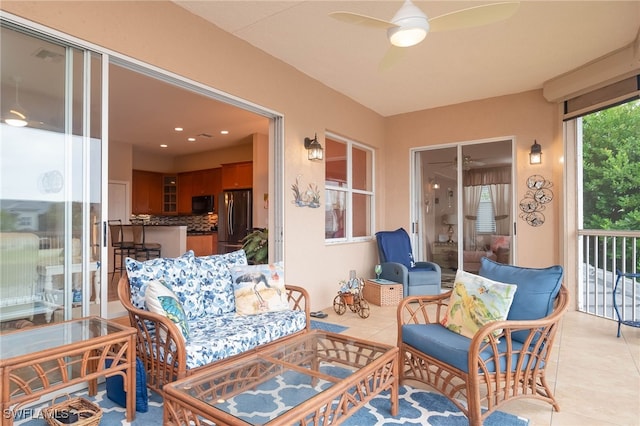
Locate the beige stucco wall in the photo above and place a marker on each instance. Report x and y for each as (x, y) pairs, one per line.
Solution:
(166, 36)
(525, 117)
(169, 37)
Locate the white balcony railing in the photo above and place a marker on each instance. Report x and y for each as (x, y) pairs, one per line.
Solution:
(601, 254)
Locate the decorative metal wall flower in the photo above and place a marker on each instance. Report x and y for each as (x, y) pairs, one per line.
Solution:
(535, 199)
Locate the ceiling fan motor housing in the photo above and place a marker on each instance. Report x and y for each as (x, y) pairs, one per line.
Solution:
(411, 27)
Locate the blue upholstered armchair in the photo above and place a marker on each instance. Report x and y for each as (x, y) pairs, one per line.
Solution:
(396, 258)
(505, 360)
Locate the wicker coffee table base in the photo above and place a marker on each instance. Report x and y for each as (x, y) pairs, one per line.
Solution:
(375, 369)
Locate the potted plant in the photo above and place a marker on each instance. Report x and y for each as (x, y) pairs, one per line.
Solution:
(256, 246)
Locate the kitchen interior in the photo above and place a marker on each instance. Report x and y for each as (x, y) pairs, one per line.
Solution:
(198, 166)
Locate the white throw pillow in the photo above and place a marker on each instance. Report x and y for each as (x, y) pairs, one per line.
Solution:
(259, 288)
(476, 301)
(160, 299)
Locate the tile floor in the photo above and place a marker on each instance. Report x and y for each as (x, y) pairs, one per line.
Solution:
(594, 375)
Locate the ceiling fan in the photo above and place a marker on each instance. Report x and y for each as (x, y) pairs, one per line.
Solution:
(409, 26)
(467, 163)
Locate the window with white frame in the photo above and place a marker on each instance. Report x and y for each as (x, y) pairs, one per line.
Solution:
(485, 222)
(349, 195)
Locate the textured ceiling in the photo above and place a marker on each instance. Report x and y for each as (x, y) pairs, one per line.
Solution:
(542, 40)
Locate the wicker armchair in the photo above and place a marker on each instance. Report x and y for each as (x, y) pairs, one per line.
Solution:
(521, 351)
(165, 359)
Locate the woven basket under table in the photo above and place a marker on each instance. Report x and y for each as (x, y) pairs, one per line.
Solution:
(59, 414)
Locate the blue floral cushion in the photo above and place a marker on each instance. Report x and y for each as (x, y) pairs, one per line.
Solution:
(214, 277)
(218, 337)
(177, 272)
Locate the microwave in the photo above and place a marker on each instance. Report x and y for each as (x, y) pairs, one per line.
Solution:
(202, 204)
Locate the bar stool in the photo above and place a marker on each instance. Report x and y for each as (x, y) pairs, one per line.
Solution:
(143, 248)
(121, 248)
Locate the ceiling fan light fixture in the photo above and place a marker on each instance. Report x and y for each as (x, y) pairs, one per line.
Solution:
(411, 27)
(406, 36)
(15, 118)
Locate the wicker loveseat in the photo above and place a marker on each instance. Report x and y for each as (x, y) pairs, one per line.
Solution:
(217, 333)
(493, 366)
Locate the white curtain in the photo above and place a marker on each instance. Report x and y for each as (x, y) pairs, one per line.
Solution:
(471, 202)
(501, 199)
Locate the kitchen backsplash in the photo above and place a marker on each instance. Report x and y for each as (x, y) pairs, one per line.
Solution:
(204, 222)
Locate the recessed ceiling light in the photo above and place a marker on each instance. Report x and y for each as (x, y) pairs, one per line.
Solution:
(224, 132)
(191, 139)
(163, 146)
(178, 129)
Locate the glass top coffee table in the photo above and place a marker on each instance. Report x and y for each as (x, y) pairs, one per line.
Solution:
(38, 361)
(314, 378)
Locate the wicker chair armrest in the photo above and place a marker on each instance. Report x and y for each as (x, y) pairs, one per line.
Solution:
(298, 298)
(422, 309)
(540, 334)
(159, 343)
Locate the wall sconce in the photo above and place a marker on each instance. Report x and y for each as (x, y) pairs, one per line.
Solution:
(535, 156)
(314, 149)
(451, 220)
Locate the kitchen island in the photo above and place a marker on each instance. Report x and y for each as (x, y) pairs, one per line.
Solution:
(173, 238)
(202, 243)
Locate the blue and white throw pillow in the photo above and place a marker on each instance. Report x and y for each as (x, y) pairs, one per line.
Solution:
(214, 277)
(178, 273)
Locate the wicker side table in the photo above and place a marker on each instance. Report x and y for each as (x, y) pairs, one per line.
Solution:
(382, 292)
(36, 361)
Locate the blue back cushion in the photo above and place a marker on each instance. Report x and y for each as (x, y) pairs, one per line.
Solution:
(395, 246)
(537, 289)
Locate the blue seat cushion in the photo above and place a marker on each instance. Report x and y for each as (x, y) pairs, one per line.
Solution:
(221, 336)
(537, 289)
(115, 388)
(424, 276)
(395, 246)
(452, 348)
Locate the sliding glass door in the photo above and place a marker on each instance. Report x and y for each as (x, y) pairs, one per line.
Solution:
(50, 180)
(464, 193)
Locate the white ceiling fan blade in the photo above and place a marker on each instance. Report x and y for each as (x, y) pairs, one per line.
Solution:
(474, 16)
(356, 18)
(393, 55)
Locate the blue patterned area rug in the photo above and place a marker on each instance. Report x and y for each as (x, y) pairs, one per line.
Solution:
(327, 326)
(416, 407)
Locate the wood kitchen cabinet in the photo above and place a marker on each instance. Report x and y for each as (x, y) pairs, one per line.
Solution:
(146, 192)
(185, 185)
(203, 245)
(198, 182)
(216, 188)
(237, 175)
(203, 182)
(169, 194)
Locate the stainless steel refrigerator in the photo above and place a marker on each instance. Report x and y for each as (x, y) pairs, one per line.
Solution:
(235, 213)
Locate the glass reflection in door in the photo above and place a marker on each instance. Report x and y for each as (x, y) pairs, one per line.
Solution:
(439, 218)
(50, 173)
(486, 203)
